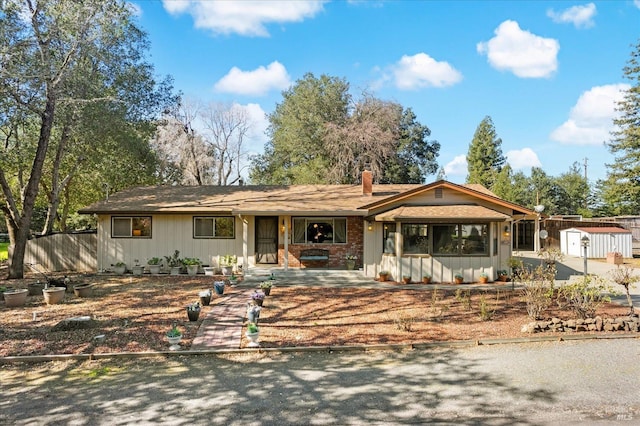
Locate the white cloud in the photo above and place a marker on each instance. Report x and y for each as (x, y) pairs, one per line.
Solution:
(590, 119)
(523, 159)
(247, 18)
(579, 16)
(256, 82)
(521, 52)
(421, 70)
(637, 3)
(457, 166)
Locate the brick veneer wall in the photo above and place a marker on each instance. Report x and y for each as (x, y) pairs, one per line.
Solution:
(337, 252)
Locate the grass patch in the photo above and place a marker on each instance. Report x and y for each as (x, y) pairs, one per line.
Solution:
(4, 251)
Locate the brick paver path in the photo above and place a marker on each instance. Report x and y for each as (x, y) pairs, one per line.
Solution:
(222, 327)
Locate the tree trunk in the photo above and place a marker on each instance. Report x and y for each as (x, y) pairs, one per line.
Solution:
(19, 228)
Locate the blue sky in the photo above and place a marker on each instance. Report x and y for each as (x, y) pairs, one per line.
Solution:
(547, 73)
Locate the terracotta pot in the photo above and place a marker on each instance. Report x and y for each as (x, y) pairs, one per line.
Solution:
(15, 298)
(406, 280)
(483, 280)
(384, 277)
(53, 295)
(459, 280)
(426, 280)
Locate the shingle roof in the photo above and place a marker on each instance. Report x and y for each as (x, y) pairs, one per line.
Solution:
(244, 199)
(604, 230)
(441, 212)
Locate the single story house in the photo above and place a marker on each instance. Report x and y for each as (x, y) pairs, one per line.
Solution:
(602, 240)
(439, 229)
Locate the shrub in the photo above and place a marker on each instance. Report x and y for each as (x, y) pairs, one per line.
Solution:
(625, 277)
(538, 290)
(584, 296)
(486, 312)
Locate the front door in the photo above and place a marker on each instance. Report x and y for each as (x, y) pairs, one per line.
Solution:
(267, 239)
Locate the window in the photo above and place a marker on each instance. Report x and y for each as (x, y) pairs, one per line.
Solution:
(415, 238)
(214, 227)
(461, 239)
(319, 230)
(389, 237)
(131, 227)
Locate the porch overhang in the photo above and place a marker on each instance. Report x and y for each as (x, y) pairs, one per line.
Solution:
(447, 212)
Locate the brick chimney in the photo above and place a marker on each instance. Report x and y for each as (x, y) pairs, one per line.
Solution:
(367, 183)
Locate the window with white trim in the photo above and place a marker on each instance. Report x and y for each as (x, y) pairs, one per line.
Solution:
(131, 227)
(214, 227)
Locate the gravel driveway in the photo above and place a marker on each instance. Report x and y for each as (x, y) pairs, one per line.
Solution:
(574, 382)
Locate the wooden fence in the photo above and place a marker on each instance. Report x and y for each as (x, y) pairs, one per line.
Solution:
(63, 252)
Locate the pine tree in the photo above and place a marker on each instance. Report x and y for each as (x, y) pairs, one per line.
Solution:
(484, 158)
(621, 188)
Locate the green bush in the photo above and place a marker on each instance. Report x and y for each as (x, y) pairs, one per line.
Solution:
(585, 295)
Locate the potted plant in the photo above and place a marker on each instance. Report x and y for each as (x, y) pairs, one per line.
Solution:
(174, 336)
(4, 288)
(226, 263)
(350, 262)
(503, 275)
(120, 268)
(205, 297)
(174, 263)
(426, 278)
(253, 333)
(483, 278)
(458, 278)
(15, 297)
(258, 297)
(53, 295)
(192, 264)
(193, 311)
(218, 286)
(137, 269)
(384, 275)
(266, 286)
(253, 313)
(155, 264)
(406, 279)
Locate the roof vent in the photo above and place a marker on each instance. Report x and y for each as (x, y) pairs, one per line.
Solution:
(438, 192)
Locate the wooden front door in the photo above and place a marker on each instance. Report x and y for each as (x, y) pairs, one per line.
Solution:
(267, 239)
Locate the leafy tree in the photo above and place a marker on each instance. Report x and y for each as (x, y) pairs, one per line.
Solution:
(575, 192)
(295, 152)
(484, 158)
(319, 136)
(58, 57)
(415, 157)
(621, 188)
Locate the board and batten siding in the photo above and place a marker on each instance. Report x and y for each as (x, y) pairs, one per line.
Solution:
(170, 232)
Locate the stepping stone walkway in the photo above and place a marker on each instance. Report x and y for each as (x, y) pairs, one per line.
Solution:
(222, 327)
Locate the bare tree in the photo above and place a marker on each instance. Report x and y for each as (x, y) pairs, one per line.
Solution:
(370, 135)
(226, 127)
(182, 153)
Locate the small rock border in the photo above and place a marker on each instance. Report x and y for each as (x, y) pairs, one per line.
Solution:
(628, 323)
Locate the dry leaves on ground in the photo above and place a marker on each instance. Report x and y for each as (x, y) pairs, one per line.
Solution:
(134, 314)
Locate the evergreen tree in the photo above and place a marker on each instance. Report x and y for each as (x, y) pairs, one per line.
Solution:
(621, 188)
(484, 158)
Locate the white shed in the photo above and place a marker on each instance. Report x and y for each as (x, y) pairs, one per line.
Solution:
(601, 241)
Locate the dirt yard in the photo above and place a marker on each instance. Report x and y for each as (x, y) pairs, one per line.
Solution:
(133, 314)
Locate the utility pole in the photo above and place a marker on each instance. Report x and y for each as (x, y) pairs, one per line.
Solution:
(586, 179)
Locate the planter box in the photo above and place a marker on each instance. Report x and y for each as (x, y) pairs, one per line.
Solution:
(615, 258)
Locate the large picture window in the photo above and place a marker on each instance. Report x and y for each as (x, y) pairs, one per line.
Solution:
(214, 227)
(319, 230)
(415, 238)
(461, 239)
(131, 227)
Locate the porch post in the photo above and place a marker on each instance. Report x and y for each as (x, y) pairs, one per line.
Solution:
(285, 260)
(245, 244)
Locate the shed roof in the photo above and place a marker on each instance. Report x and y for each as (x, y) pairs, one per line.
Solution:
(603, 230)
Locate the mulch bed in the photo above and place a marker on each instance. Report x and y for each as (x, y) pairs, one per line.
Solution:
(134, 313)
